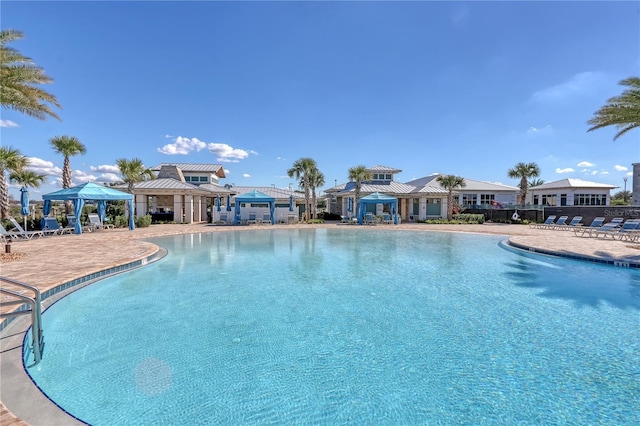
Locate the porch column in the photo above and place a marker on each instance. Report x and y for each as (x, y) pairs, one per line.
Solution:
(188, 208)
(197, 208)
(177, 208)
(404, 213)
(423, 209)
(141, 204)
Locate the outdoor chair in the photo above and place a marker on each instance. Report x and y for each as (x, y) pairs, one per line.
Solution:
(266, 218)
(595, 224)
(252, 219)
(575, 222)
(387, 219)
(27, 235)
(71, 225)
(618, 231)
(547, 222)
(96, 223)
(6, 236)
(369, 219)
(223, 219)
(561, 221)
(292, 219)
(51, 226)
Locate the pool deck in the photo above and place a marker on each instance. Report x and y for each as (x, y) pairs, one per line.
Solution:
(50, 262)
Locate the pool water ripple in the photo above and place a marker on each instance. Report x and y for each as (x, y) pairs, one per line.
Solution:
(343, 326)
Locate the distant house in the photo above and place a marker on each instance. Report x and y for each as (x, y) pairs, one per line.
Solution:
(570, 192)
(282, 202)
(182, 192)
(422, 198)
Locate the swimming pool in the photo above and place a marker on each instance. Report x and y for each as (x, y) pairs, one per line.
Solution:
(343, 326)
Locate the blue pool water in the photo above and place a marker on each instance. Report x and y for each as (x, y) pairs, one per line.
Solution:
(348, 326)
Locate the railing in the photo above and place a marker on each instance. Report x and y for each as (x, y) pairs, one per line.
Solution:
(37, 340)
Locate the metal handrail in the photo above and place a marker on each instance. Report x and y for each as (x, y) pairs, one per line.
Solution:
(37, 343)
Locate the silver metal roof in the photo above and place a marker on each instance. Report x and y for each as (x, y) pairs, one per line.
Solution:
(383, 169)
(194, 168)
(573, 184)
(277, 193)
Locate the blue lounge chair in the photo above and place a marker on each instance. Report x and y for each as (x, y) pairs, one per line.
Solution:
(51, 226)
(595, 224)
(369, 219)
(547, 222)
(575, 222)
(252, 219)
(223, 219)
(619, 231)
(266, 218)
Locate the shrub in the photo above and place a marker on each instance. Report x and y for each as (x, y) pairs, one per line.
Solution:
(121, 222)
(143, 221)
(469, 218)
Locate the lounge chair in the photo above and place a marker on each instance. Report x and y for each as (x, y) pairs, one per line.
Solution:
(51, 226)
(292, 219)
(71, 225)
(575, 222)
(547, 222)
(27, 235)
(266, 218)
(618, 232)
(595, 224)
(223, 219)
(9, 235)
(252, 219)
(387, 219)
(369, 219)
(96, 223)
(560, 222)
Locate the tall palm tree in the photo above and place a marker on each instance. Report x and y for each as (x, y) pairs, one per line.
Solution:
(316, 179)
(359, 174)
(19, 78)
(12, 161)
(621, 111)
(524, 171)
(450, 183)
(68, 146)
(535, 182)
(302, 170)
(133, 171)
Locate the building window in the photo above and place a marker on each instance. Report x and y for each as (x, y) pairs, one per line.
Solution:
(549, 200)
(434, 207)
(563, 199)
(535, 200)
(589, 200)
(468, 199)
(487, 198)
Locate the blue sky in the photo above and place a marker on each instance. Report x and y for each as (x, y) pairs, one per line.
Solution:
(465, 88)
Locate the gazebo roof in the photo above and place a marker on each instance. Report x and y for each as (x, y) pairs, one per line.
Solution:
(88, 191)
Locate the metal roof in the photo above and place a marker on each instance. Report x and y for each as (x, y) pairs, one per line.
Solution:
(470, 185)
(573, 184)
(383, 169)
(194, 168)
(164, 184)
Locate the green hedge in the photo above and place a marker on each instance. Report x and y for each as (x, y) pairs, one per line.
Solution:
(143, 221)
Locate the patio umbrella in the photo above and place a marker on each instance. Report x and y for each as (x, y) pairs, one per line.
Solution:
(218, 202)
(229, 202)
(290, 203)
(24, 202)
(349, 205)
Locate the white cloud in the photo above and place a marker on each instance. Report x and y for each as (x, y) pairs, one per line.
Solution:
(43, 167)
(620, 168)
(246, 175)
(227, 172)
(585, 164)
(567, 170)
(539, 130)
(578, 84)
(630, 174)
(604, 172)
(8, 123)
(168, 136)
(106, 168)
(80, 176)
(281, 159)
(227, 154)
(182, 146)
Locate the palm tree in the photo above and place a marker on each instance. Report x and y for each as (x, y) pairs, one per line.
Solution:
(133, 171)
(535, 182)
(12, 161)
(302, 170)
(19, 77)
(524, 171)
(450, 183)
(359, 174)
(622, 111)
(316, 179)
(68, 146)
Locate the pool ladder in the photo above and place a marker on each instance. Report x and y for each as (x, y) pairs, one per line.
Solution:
(29, 305)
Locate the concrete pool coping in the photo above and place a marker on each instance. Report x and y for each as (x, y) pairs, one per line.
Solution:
(74, 261)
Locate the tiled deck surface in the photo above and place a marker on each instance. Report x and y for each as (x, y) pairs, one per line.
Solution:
(52, 261)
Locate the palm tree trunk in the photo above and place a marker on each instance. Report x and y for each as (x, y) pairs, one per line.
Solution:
(4, 193)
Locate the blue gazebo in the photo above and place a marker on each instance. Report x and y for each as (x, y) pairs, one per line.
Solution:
(88, 191)
(378, 198)
(254, 197)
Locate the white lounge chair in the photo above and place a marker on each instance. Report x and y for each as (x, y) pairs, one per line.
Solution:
(27, 235)
(96, 223)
